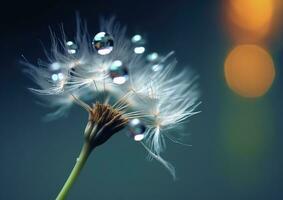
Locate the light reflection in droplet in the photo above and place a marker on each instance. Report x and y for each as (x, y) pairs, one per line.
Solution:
(54, 77)
(136, 38)
(152, 57)
(139, 50)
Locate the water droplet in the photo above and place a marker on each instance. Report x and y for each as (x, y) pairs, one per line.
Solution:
(152, 57)
(136, 129)
(157, 62)
(138, 43)
(103, 43)
(57, 74)
(118, 72)
(57, 77)
(71, 47)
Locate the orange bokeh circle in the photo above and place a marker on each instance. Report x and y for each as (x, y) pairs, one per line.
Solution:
(253, 15)
(249, 70)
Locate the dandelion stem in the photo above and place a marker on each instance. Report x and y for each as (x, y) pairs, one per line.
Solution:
(81, 160)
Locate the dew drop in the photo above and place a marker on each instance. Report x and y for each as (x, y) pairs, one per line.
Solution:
(71, 47)
(103, 43)
(118, 72)
(57, 74)
(138, 43)
(136, 129)
(156, 61)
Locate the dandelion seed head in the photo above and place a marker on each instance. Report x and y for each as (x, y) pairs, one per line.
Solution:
(153, 96)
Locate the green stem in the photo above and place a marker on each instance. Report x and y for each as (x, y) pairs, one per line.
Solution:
(81, 160)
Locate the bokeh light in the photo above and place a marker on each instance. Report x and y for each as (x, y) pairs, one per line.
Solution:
(249, 70)
(251, 14)
(250, 20)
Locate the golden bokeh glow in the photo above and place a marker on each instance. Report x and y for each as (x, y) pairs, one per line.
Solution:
(251, 14)
(249, 70)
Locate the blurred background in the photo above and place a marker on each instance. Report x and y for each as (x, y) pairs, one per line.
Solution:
(236, 48)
